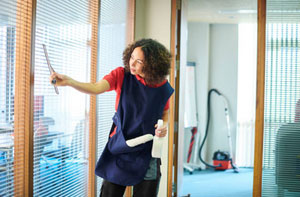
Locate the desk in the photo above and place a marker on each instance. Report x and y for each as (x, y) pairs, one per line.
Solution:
(7, 147)
(51, 140)
(56, 145)
(4, 130)
(54, 135)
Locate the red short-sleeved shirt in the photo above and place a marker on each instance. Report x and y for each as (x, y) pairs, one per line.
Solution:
(115, 80)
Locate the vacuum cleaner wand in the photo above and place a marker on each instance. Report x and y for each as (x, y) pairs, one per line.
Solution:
(234, 167)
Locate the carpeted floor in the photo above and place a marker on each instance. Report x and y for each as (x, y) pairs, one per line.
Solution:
(210, 183)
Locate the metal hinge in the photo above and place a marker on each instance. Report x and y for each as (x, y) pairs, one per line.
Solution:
(178, 4)
(174, 187)
(175, 126)
(177, 67)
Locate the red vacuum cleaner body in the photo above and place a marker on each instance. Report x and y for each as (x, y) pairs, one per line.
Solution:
(222, 160)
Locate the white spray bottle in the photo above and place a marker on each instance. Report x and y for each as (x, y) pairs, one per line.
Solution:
(157, 142)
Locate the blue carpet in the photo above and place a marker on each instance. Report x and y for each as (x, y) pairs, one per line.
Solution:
(210, 183)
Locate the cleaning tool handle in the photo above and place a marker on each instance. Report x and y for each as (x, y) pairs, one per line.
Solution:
(51, 70)
(139, 140)
(157, 142)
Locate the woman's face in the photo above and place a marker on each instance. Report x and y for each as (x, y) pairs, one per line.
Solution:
(137, 61)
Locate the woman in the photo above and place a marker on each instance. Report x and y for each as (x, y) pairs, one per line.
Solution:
(142, 98)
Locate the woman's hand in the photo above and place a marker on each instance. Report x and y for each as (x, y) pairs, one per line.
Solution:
(161, 132)
(61, 80)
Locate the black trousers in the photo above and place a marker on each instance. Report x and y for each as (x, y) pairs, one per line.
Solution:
(146, 188)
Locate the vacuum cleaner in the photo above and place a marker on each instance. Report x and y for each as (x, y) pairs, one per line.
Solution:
(222, 160)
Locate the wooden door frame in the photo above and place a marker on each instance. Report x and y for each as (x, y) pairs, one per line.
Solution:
(23, 103)
(172, 128)
(260, 87)
(259, 122)
(94, 10)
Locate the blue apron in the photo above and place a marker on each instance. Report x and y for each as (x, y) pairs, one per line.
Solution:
(139, 109)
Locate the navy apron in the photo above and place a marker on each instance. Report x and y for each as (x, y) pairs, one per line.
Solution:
(139, 109)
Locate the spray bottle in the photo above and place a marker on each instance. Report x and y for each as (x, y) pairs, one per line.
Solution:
(157, 141)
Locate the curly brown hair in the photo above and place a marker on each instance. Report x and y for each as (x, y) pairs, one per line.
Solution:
(157, 60)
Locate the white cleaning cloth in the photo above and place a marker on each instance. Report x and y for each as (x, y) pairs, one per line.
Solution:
(139, 140)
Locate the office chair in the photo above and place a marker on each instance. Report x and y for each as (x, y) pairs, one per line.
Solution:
(67, 156)
(69, 152)
(287, 154)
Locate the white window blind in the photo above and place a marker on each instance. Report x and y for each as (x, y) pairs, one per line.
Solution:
(7, 71)
(112, 41)
(281, 158)
(60, 121)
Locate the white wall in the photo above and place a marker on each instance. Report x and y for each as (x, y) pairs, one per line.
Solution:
(223, 76)
(153, 20)
(198, 52)
(214, 48)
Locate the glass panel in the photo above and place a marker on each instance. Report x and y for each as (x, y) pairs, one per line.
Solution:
(221, 47)
(112, 42)
(60, 120)
(281, 160)
(7, 81)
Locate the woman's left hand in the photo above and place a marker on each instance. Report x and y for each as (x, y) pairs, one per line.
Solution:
(161, 132)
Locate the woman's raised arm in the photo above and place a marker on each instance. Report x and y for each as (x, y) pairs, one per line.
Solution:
(88, 88)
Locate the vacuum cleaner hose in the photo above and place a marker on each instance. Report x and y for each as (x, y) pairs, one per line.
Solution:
(207, 126)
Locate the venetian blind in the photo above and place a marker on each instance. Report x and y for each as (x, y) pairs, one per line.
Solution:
(60, 120)
(8, 16)
(281, 160)
(112, 42)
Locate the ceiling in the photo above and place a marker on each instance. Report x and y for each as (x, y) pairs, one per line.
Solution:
(222, 11)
